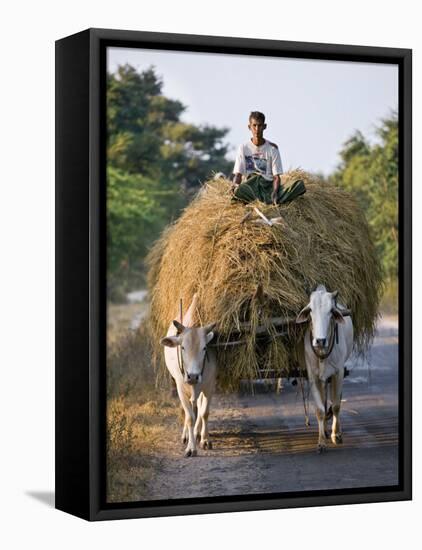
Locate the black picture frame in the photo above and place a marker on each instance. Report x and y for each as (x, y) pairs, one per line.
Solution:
(81, 268)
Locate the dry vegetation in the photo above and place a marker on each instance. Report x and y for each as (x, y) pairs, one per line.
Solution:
(323, 238)
(120, 317)
(138, 415)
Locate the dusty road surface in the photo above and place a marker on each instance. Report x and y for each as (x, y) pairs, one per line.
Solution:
(261, 443)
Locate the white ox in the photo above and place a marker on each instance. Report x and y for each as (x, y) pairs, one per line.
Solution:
(194, 368)
(325, 355)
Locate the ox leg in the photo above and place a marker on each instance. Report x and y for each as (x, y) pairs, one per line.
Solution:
(198, 423)
(318, 393)
(336, 391)
(204, 413)
(185, 432)
(189, 423)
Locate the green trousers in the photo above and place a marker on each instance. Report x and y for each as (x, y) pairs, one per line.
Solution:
(258, 188)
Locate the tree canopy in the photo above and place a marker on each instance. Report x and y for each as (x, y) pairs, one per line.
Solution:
(155, 163)
(370, 172)
(147, 136)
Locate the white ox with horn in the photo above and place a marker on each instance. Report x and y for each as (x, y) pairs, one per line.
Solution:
(194, 369)
(328, 343)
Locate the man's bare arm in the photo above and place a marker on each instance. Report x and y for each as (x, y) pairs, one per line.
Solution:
(276, 186)
(237, 179)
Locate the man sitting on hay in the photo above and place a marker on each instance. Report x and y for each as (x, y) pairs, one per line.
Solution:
(258, 168)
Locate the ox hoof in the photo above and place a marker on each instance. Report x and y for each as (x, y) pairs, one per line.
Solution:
(321, 449)
(206, 444)
(337, 439)
(190, 452)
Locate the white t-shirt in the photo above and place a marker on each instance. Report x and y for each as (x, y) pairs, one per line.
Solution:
(264, 160)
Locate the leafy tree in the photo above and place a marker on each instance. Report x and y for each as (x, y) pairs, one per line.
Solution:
(370, 172)
(146, 135)
(156, 163)
(134, 215)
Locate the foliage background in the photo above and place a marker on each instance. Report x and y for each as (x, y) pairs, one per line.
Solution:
(156, 163)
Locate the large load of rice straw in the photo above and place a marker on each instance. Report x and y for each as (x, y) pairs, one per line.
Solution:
(247, 271)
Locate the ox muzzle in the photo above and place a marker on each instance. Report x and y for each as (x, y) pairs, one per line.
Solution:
(192, 379)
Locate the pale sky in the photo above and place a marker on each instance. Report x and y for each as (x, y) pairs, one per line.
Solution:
(312, 107)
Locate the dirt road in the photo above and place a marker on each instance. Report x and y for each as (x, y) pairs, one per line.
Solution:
(261, 443)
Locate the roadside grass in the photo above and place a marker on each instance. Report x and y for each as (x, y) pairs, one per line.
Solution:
(139, 417)
(120, 316)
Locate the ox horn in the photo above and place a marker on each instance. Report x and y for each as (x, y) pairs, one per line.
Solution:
(303, 315)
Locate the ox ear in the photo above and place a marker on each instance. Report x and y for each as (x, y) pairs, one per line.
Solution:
(179, 326)
(337, 314)
(303, 315)
(170, 341)
(209, 334)
(209, 337)
(209, 328)
(334, 295)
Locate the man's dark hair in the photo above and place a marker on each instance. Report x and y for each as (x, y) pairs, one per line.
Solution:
(256, 115)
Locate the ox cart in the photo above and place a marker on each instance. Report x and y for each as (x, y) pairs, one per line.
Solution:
(252, 274)
(278, 327)
(319, 353)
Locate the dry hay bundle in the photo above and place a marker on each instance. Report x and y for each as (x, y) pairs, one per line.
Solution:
(247, 271)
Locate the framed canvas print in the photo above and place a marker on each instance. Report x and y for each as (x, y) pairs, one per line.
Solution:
(233, 274)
